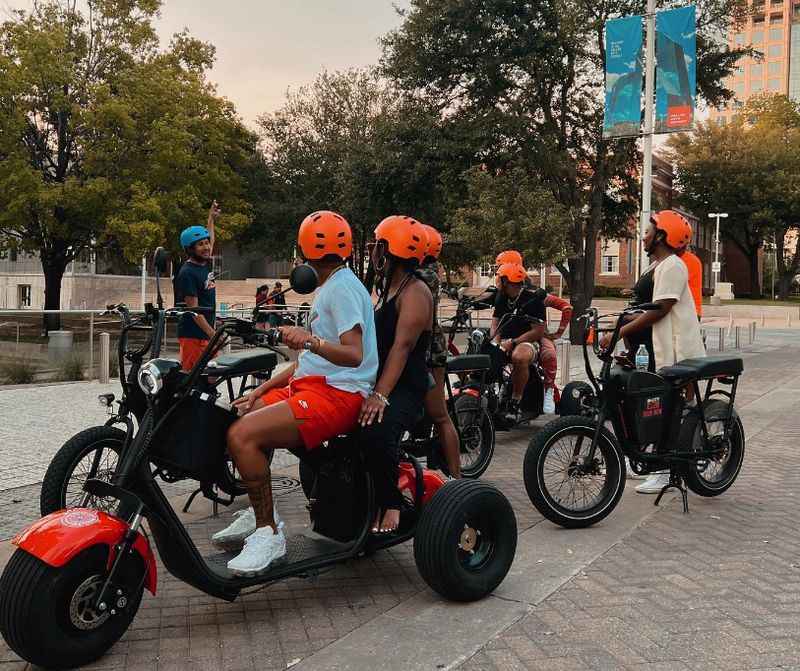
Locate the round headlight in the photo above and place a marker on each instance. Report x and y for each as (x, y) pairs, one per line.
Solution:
(150, 380)
(477, 337)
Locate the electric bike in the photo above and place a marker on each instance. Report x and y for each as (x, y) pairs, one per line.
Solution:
(574, 469)
(77, 576)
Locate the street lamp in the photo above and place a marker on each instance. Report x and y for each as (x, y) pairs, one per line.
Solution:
(716, 266)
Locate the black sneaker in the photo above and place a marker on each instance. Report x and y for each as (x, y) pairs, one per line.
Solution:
(513, 413)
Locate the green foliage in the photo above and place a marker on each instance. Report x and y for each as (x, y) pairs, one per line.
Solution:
(511, 206)
(106, 138)
(751, 170)
(72, 368)
(17, 371)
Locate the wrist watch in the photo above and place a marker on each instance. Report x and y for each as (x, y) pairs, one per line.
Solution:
(513, 342)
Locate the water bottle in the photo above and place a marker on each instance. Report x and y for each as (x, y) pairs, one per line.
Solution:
(642, 358)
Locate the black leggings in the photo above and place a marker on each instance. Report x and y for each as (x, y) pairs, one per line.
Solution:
(381, 443)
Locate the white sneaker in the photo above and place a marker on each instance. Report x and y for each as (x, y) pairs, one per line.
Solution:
(549, 405)
(630, 474)
(242, 526)
(654, 484)
(261, 548)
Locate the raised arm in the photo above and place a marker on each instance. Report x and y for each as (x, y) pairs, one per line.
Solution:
(213, 213)
(562, 306)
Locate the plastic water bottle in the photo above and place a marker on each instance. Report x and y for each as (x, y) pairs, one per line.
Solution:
(642, 358)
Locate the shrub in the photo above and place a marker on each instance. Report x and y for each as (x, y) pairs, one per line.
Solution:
(19, 371)
(72, 368)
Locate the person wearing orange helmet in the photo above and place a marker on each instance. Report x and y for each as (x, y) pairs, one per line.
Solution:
(693, 266)
(403, 322)
(435, 403)
(509, 256)
(676, 331)
(315, 399)
(515, 305)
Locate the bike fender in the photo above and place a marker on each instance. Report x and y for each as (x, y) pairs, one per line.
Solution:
(431, 481)
(60, 536)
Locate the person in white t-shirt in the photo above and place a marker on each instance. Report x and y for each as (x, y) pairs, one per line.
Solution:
(676, 331)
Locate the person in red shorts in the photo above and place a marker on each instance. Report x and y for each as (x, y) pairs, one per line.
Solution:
(312, 401)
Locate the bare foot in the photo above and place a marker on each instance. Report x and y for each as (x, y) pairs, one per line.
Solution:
(391, 520)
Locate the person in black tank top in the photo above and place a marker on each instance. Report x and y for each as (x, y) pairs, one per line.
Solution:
(403, 322)
(642, 293)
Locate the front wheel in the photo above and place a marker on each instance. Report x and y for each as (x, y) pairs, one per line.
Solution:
(564, 485)
(48, 616)
(476, 429)
(717, 474)
(466, 540)
(92, 453)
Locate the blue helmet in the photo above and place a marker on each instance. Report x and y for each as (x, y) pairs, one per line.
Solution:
(194, 234)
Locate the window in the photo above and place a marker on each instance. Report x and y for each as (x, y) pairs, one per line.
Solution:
(758, 21)
(756, 86)
(609, 262)
(486, 270)
(776, 4)
(758, 36)
(737, 105)
(776, 34)
(23, 296)
(775, 19)
(739, 39)
(775, 50)
(757, 71)
(739, 70)
(774, 84)
(721, 120)
(739, 89)
(775, 68)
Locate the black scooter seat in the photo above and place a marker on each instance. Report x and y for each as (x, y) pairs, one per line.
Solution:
(703, 368)
(242, 363)
(468, 362)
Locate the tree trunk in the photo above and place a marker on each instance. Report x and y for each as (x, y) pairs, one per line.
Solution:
(785, 285)
(755, 284)
(53, 275)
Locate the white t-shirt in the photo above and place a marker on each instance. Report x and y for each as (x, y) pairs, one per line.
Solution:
(677, 335)
(341, 304)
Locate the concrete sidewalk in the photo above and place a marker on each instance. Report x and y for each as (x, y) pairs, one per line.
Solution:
(647, 588)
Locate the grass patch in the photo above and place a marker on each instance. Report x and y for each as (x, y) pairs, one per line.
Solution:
(19, 371)
(72, 368)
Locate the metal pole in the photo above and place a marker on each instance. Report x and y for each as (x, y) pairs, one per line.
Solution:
(105, 358)
(717, 216)
(649, 91)
(91, 346)
(721, 345)
(737, 337)
(144, 281)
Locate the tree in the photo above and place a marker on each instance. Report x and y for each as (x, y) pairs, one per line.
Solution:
(751, 170)
(529, 77)
(511, 206)
(350, 142)
(105, 139)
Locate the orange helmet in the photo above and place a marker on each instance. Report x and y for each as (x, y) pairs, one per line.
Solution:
(405, 237)
(323, 233)
(509, 256)
(513, 272)
(678, 230)
(434, 241)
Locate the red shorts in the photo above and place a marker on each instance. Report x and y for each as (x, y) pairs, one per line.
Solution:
(323, 412)
(191, 350)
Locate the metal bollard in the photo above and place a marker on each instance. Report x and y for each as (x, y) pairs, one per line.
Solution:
(721, 345)
(737, 337)
(763, 320)
(754, 331)
(563, 361)
(91, 345)
(105, 358)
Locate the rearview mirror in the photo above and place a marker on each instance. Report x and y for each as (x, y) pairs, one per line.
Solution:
(160, 260)
(304, 279)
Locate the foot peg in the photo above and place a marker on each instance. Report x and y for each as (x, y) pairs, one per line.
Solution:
(675, 482)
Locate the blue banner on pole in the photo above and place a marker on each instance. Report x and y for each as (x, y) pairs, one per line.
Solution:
(624, 67)
(676, 69)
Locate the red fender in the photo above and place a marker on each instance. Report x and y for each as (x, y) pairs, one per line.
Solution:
(57, 538)
(431, 481)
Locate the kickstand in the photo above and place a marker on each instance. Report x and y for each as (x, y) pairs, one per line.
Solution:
(191, 499)
(675, 482)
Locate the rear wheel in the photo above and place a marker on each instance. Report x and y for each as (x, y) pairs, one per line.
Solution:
(717, 474)
(477, 435)
(563, 485)
(466, 540)
(48, 616)
(92, 453)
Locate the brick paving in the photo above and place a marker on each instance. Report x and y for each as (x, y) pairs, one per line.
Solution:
(698, 592)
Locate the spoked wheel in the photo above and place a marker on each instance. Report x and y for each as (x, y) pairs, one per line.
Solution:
(92, 453)
(48, 614)
(564, 485)
(477, 436)
(466, 540)
(715, 475)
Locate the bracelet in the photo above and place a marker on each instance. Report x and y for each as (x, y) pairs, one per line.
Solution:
(317, 349)
(380, 397)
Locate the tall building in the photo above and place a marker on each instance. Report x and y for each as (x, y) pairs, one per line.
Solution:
(773, 29)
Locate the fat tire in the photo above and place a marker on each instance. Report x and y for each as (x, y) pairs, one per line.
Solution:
(436, 540)
(700, 486)
(468, 405)
(30, 620)
(535, 488)
(68, 456)
(308, 476)
(569, 405)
